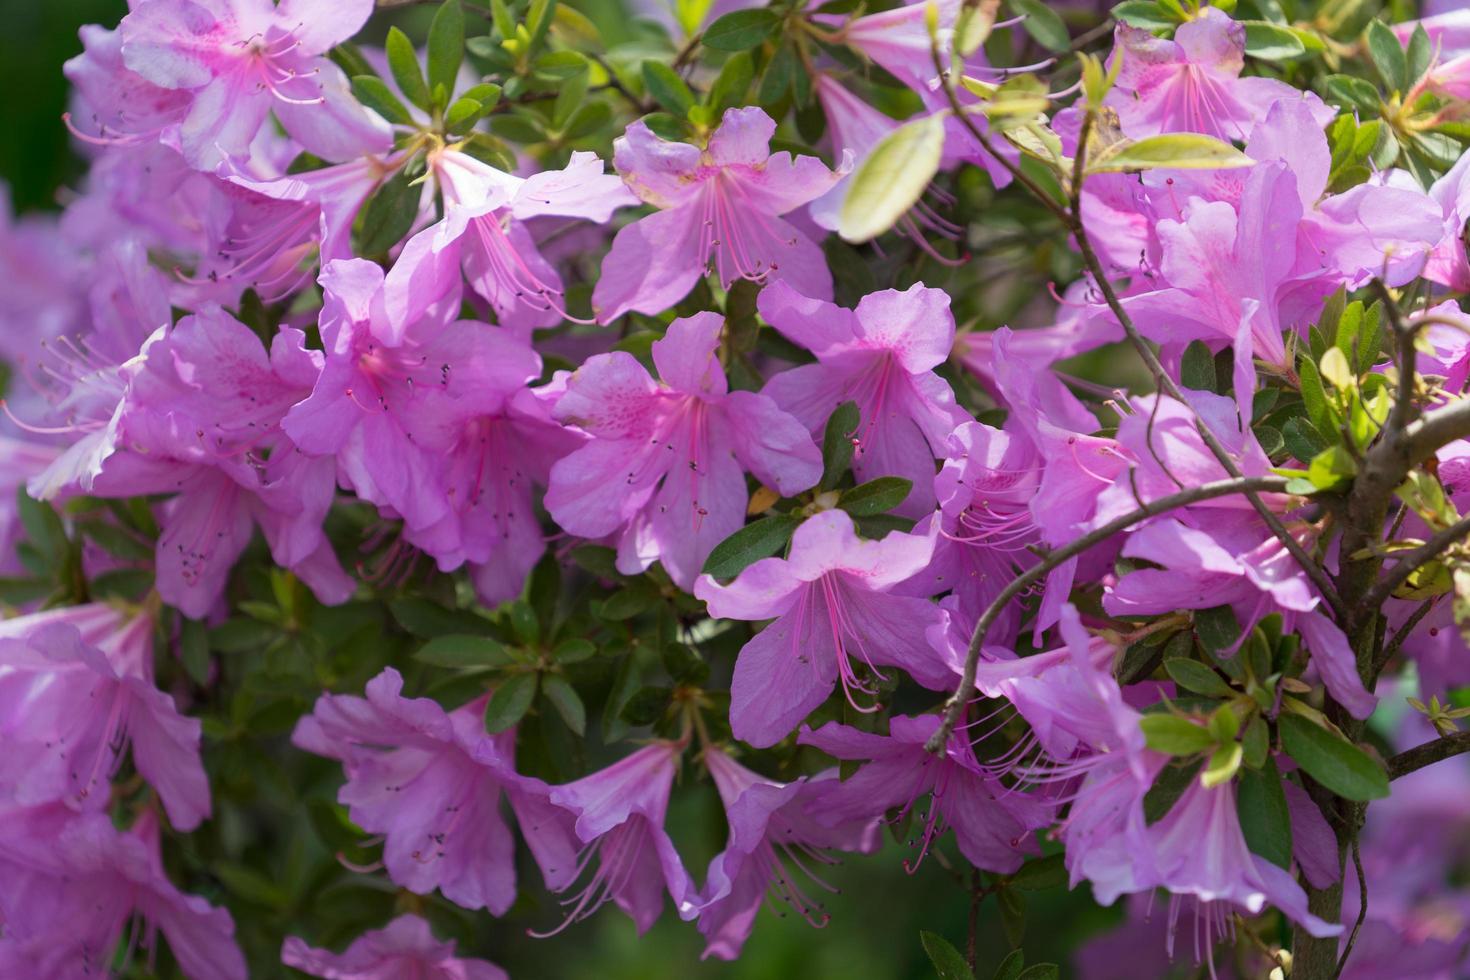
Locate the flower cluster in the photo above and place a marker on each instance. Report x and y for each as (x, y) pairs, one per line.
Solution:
(543, 376)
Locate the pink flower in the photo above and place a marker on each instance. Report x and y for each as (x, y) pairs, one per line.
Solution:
(993, 824)
(882, 356)
(484, 233)
(239, 60)
(69, 884)
(1200, 850)
(773, 843)
(388, 391)
(666, 462)
(431, 782)
(495, 446)
(832, 605)
(77, 691)
(619, 815)
(1235, 560)
(403, 948)
(1193, 83)
(721, 204)
(202, 419)
(1086, 745)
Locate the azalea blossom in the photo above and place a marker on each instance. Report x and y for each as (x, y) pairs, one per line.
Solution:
(431, 783)
(665, 467)
(768, 822)
(404, 947)
(241, 60)
(882, 356)
(834, 614)
(720, 204)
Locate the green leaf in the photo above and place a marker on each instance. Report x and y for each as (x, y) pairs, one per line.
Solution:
(240, 635)
(194, 650)
(1143, 14)
(374, 93)
(757, 540)
(1223, 765)
(1302, 439)
(1332, 760)
(1039, 874)
(1010, 968)
(573, 651)
(1264, 817)
(741, 30)
(892, 178)
(1387, 55)
(776, 79)
(730, 85)
(389, 215)
(1271, 42)
(1256, 742)
(588, 119)
(1217, 628)
(666, 87)
(566, 701)
(1197, 367)
(1012, 915)
(510, 702)
(876, 496)
(403, 62)
(429, 619)
(1195, 676)
(446, 45)
(462, 114)
(560, 65)
(1420, 53)
(1043, 24)
(948, 963)
(1173, 735)
(1041, 971)
(463, 650)
(837, 445)
(1176, 151)
(627, 603)
(43, 527)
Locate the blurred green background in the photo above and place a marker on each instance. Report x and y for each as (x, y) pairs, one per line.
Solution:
(876, 918)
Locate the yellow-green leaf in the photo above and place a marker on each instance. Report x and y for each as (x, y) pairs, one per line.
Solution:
(1175, 151)
(891, 179)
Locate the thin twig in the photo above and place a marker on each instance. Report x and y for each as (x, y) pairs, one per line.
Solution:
(1362, 909)
(1410, 562)
(1399, 637)
(1313, 570)
(1412, 760)
(1208, 491)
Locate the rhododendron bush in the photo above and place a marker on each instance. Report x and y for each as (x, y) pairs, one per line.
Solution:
(467, 465)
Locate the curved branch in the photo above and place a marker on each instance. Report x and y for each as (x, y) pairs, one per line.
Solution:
(1207, 491)
(1411, 561)
(1428, 754)
(1437, 429)
(1313, 570)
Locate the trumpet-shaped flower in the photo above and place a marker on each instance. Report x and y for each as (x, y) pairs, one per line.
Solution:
(834, 610)
(665, 464)
(71, 884)
(619, 813)
(431, 782)
(773, 843)
(72, 709)
(881, 355)
(404, 947)
(993, 825)
(1193, 84)
(239, 60)
(721, 205)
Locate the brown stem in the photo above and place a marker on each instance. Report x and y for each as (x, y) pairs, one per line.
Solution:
(957, 701)
(1412, 760)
